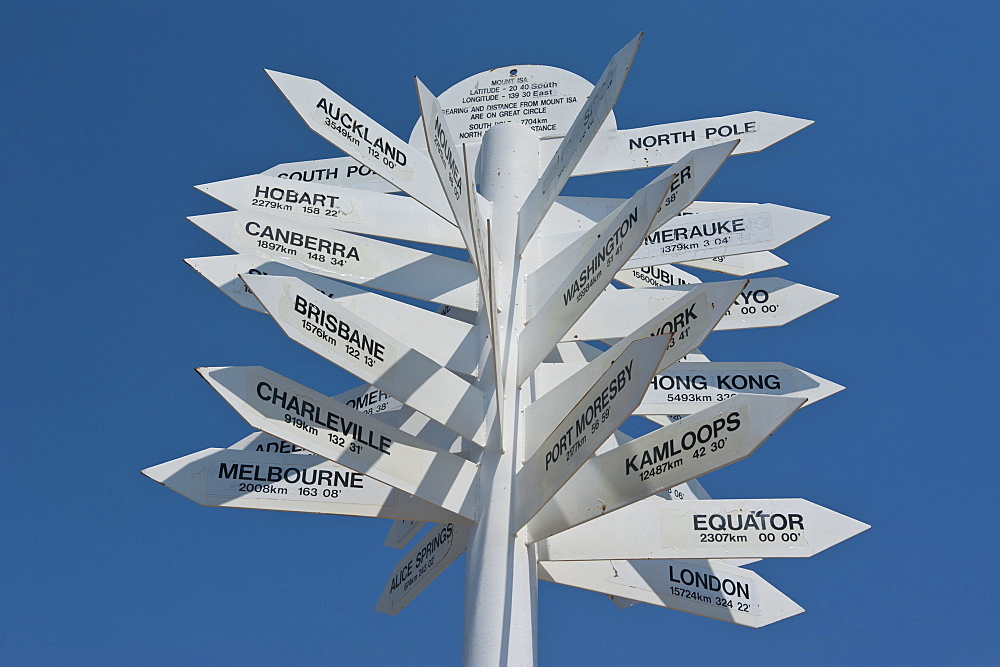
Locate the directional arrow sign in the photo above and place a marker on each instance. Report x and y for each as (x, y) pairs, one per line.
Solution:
(425, 561)
(332, 331)
(344, 208)
(426, 429)
(739, 265)
(586, 426)
(265, 442)
(289, 483)
(658, 528)
(701, 308)
(602, 251)
(688, 320)
(349, 129)
(573, 146)
(656, 276)
(705, 588)
(288, 410)
(450, 164)
(369, 399)
(772, 302)
(596, 208)
(344, 171)
(344, 256)
(754, 228)
(694, 446)
(660, 145)
(401, 532)
(764, 302)
(685, 388)
(611, 150)
(450, 342)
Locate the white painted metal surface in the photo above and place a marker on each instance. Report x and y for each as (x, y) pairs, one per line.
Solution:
(259, 441)
(763, 302)
(656, 276)
(571, 149)
(685, 388)
(501, 594)
(580, 286)
(660, 145)
(545, 99)
(401, 532)
(739, 265)
(587, 424)
(695, 446)
(656, 528)
(295, 482)
(448, 341)
(426, 560)
(611, 150)
(688, 321)
(288, 410)
(347, 339)
(369, 399)
(352, 131)
(772, 302)
(345, 256)
(755, 228)
(343, 171)
(544, 484)
(608, 243)
(336, 207)
(450, 163)
(705, 588)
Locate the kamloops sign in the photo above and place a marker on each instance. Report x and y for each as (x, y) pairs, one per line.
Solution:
(665, 458)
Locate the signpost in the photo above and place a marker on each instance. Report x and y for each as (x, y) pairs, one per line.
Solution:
(485, 418)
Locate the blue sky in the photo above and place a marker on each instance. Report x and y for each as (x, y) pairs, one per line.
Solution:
(113, 111)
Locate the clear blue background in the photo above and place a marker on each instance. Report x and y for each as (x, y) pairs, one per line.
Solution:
(111, 112)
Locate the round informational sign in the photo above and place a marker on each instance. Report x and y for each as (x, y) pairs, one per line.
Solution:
(546, 99)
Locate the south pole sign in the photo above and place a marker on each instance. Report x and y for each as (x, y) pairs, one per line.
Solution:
(492, 386)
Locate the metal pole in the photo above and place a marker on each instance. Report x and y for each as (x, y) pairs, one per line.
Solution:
(500, 579)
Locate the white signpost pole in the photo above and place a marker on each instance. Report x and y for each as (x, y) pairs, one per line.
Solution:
(500, 572)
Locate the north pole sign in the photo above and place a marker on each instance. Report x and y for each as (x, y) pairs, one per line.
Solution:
(493, 384)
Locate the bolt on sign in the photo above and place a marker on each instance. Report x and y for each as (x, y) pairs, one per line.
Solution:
(492, 385)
